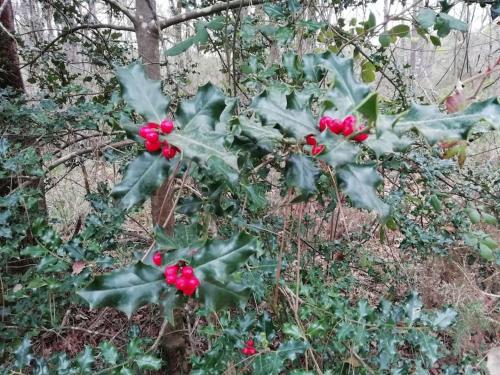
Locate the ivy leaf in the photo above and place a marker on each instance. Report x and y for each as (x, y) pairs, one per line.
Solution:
(143, 176)
(141, 93)
(271, 106)
(272, 363)
(302, 174)
(435, 125)
(126, 289)
(359, 182)
(148, 362)
(444, 318)
(203, 112)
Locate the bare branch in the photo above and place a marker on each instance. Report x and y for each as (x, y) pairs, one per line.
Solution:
(88, 150)
(207, 11)
(73, 30)
(120, 7)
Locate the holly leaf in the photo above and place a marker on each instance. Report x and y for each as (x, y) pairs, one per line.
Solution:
(413, 307)
(202, 145)
(435, 125)
(444, 318)
(85, 360)
(271, 106)
(214, 262)
(148, 362)
(387, 143)
(126, 289)
(109, 352)
(301, 172)
(359, 182)
(339, 150)
(272, 363)
(348, 95)
(144, 95)
(202, 112)
(265, 135)
(23, 354)
(143, 176)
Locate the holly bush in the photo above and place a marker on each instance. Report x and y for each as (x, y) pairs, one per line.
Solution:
(260, 256)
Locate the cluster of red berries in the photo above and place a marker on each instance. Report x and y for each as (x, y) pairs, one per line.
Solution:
(346, 127)
(151, 133)
(182, 277)
(249, 348)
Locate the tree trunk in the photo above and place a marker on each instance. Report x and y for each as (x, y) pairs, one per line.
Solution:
(148, 45)
(10, 74)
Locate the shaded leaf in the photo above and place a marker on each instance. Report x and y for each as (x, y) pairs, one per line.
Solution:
(143, 176)
(272, 363)
(359, 182)
(148, 362)
(109, 352)
(413, 307)
(444, 318)
(302, 173)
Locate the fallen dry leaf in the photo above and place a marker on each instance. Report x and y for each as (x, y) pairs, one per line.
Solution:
(78, 267)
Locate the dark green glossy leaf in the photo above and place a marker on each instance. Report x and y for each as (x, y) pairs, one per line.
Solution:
(254, 130)
(142, 93)
(302, 173)
(271, 106)
(435, 40)
(202, 112)
(359, 182)
(435, 125)
(272, 363)
(339, 150)
(125, 289)
(200, 37)
(387, 143)
(142, 177)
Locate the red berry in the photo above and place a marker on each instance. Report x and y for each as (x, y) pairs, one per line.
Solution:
(310, 140)
(157, 258)
(250, 343)
(171, 279)
(349, 124)
(336, 126)
(317, 149)
(180, 283)
(323, 123)
(152, 146)
(187, 272)
(193, 282)
(152, 136)
(171, 270)
(252, 351)
(361, 137)
(170, 151)
(144, 131)
(166, 126)
(188, 290)
(152, 125)
(245, 351)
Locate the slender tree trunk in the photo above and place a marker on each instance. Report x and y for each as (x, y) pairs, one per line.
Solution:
(148, 45)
